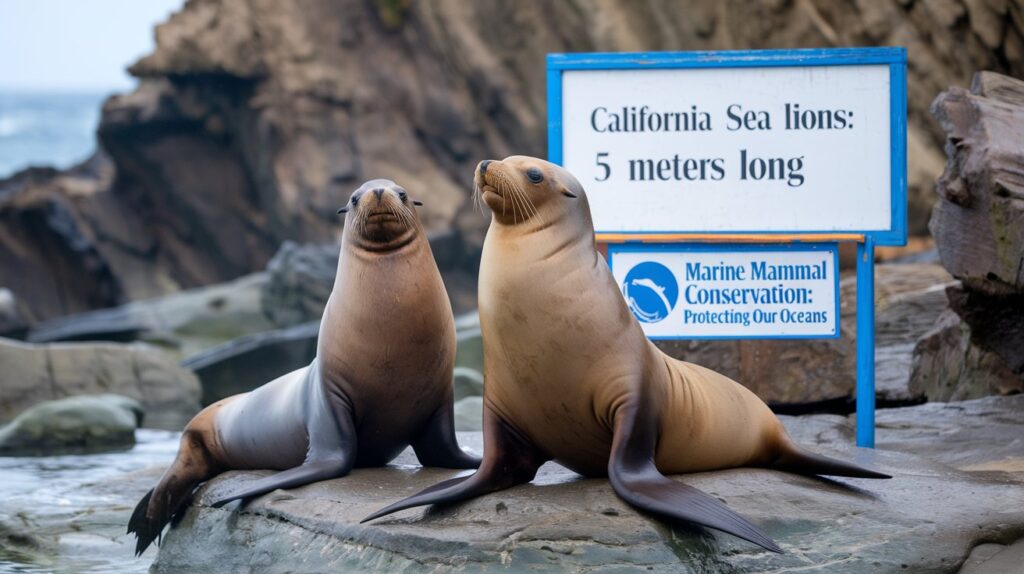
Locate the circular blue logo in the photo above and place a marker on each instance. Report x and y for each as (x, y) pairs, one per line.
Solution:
(651, 291)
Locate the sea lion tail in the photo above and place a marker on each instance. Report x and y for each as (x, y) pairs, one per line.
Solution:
(796, 460)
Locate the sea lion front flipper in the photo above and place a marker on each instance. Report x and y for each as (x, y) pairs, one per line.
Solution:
(330, 455)
(636, 479)
(509, 459)
(436, 444)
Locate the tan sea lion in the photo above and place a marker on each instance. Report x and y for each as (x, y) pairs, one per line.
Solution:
(381, 379)
(569, 375)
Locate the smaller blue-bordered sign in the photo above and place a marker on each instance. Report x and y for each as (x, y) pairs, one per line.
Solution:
(716, 291)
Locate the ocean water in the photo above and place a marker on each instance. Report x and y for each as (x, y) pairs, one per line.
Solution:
(55, 129)
(76, 508)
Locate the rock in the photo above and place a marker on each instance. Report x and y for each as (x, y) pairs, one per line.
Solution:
(300, 280)
(36, 373)
(252, 123)
(12, 318)
(82, 424)
(244, 364)
(994, 559)
(469, 352)
(467, 383)
(469, 413)
(49, 255)
(68, 513)
(978, 225)
(820, 374)
(927, 519)
(949, 366)
(978, 435)
(187, 322)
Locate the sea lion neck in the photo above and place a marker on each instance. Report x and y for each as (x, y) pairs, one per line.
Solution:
(543, 237)
(359, 244)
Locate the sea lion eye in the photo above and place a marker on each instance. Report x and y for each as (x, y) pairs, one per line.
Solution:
(355, 201)
(534, 175)
(403, 195)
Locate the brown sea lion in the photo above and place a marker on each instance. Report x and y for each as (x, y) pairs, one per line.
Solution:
(569, 375)
(381, 379)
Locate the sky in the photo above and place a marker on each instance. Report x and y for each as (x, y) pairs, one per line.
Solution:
(75, 45)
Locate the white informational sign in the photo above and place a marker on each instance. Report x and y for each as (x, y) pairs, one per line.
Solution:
(731, 149)
(730, 291)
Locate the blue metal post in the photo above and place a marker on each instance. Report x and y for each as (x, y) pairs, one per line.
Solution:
(866, 343)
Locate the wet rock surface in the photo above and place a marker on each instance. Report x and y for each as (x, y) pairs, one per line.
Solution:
(66, 514)
(929, 518)
(32, 374)
(83, 424)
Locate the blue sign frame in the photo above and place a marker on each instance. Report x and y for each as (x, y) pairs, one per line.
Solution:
(732, 247)
(896, 234)
(894, 57)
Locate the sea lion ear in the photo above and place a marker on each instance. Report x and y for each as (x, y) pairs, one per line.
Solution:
(343, 210)
(417, 202)
(567, 193)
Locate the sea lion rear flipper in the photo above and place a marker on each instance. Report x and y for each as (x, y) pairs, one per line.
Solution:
(796, 460)
(436, 444)
(330, 455)
(635, 478)
(509, 459)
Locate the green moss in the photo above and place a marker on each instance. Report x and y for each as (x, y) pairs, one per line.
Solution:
(392, 13)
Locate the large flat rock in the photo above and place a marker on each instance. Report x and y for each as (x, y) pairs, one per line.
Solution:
(31, 374)
(927, 519)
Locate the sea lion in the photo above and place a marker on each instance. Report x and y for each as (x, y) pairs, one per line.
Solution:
(569, 375)
(381, 379)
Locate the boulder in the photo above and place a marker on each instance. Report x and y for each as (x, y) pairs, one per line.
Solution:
(300, 280)
(469, 353)
(929, 518)
(13, 324)
(469, 413)
(82, 424)
(978, 225)
(244, 364)
(820, 374)
(467, 383)
(185, 323)
(36, 373)
(949, 366)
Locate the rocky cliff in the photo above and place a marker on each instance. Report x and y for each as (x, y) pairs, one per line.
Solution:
(254, 119)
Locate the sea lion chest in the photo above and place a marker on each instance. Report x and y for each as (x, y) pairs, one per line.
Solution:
(387, 345)
(556, 361)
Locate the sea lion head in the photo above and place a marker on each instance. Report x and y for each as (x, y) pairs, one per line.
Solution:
(521, 189)
(380, 216)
